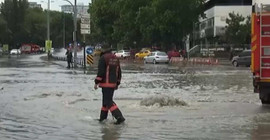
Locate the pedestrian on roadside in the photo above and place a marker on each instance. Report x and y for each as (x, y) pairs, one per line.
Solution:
(184, 54)
(69, 57)
(109, 78)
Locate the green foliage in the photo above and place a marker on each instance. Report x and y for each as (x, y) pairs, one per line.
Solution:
(35, 26)
(13, 12)
(58, 19)
(21, 24)
(103, 15)
(238, 29)
(141, 23)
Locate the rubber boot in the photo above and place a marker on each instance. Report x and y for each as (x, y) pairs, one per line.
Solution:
(118, 116)
(103, 115)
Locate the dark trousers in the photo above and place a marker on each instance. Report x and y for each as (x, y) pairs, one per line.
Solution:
(107, 97)
(69, 61)
(109, 105)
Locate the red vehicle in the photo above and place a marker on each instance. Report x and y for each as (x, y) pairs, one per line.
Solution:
(260, 56)
(173, 53)
(30, 48)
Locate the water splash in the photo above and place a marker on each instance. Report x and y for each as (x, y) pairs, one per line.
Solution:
(162, 100)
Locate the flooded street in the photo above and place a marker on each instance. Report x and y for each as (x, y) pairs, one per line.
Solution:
(42, 100)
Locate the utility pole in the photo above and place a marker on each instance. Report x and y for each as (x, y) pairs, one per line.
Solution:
(48, 21)
(64, 30)
(75, 30)
(75, 33)
(48, 26)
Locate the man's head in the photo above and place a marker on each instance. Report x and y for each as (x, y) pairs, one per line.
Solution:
(106, 48)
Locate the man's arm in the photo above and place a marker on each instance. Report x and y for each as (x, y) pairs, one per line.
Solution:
(101, 70)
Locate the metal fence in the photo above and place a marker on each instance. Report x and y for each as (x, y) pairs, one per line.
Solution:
(214, 50)
(80, 61)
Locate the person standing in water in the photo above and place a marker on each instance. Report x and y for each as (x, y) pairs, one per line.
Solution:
(109, 78)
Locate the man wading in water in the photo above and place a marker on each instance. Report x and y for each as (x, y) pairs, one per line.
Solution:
(108, 78)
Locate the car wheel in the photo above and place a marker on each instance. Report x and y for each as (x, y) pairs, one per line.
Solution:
(235, 63)
(154, 61)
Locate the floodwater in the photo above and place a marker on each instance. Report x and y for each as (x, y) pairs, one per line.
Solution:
(42, 100)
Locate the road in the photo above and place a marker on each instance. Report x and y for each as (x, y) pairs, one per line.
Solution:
(41, 100)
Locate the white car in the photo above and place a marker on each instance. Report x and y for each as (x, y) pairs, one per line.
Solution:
(122, 53)
(156, 57)
(15, 51)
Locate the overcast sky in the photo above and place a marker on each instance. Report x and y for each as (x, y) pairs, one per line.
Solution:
(56, 4)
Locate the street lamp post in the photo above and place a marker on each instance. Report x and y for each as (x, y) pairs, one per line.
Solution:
(48, 21)
(75, 30)
(48, 25)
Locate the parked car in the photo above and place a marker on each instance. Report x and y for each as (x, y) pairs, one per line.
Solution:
(15, 51)
(114, 51)
(156, 57)
(244, 58)
(173, 53)
(122, 53)
(142, 54)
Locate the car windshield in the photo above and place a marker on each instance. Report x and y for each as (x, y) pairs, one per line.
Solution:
(161, 54)
(245, 53)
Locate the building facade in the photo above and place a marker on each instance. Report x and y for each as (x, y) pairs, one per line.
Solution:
(34, 5)
(216, 13)
(81, 9)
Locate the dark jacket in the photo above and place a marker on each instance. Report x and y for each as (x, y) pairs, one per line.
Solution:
(69, 56)
(109, 71)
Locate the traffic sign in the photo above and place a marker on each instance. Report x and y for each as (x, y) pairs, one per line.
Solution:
(89, 51)
(85, 21)
(85, 26)
(85, 31)
(48, 45)
(90, 59)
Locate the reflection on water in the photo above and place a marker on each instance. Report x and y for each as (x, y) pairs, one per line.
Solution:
(110, 131)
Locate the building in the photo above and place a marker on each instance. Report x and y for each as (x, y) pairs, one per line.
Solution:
(216, 13)
(82, 9)
(34, 5)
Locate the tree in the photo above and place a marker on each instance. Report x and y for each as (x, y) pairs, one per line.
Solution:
(4, 32)
(126, 29)
(35, 26)
(238, 30)
(13, 12)
(57, 22)
(160, 22)
(21, 24)
(103, 15)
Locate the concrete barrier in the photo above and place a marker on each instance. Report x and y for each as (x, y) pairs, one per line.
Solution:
(202, 61)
